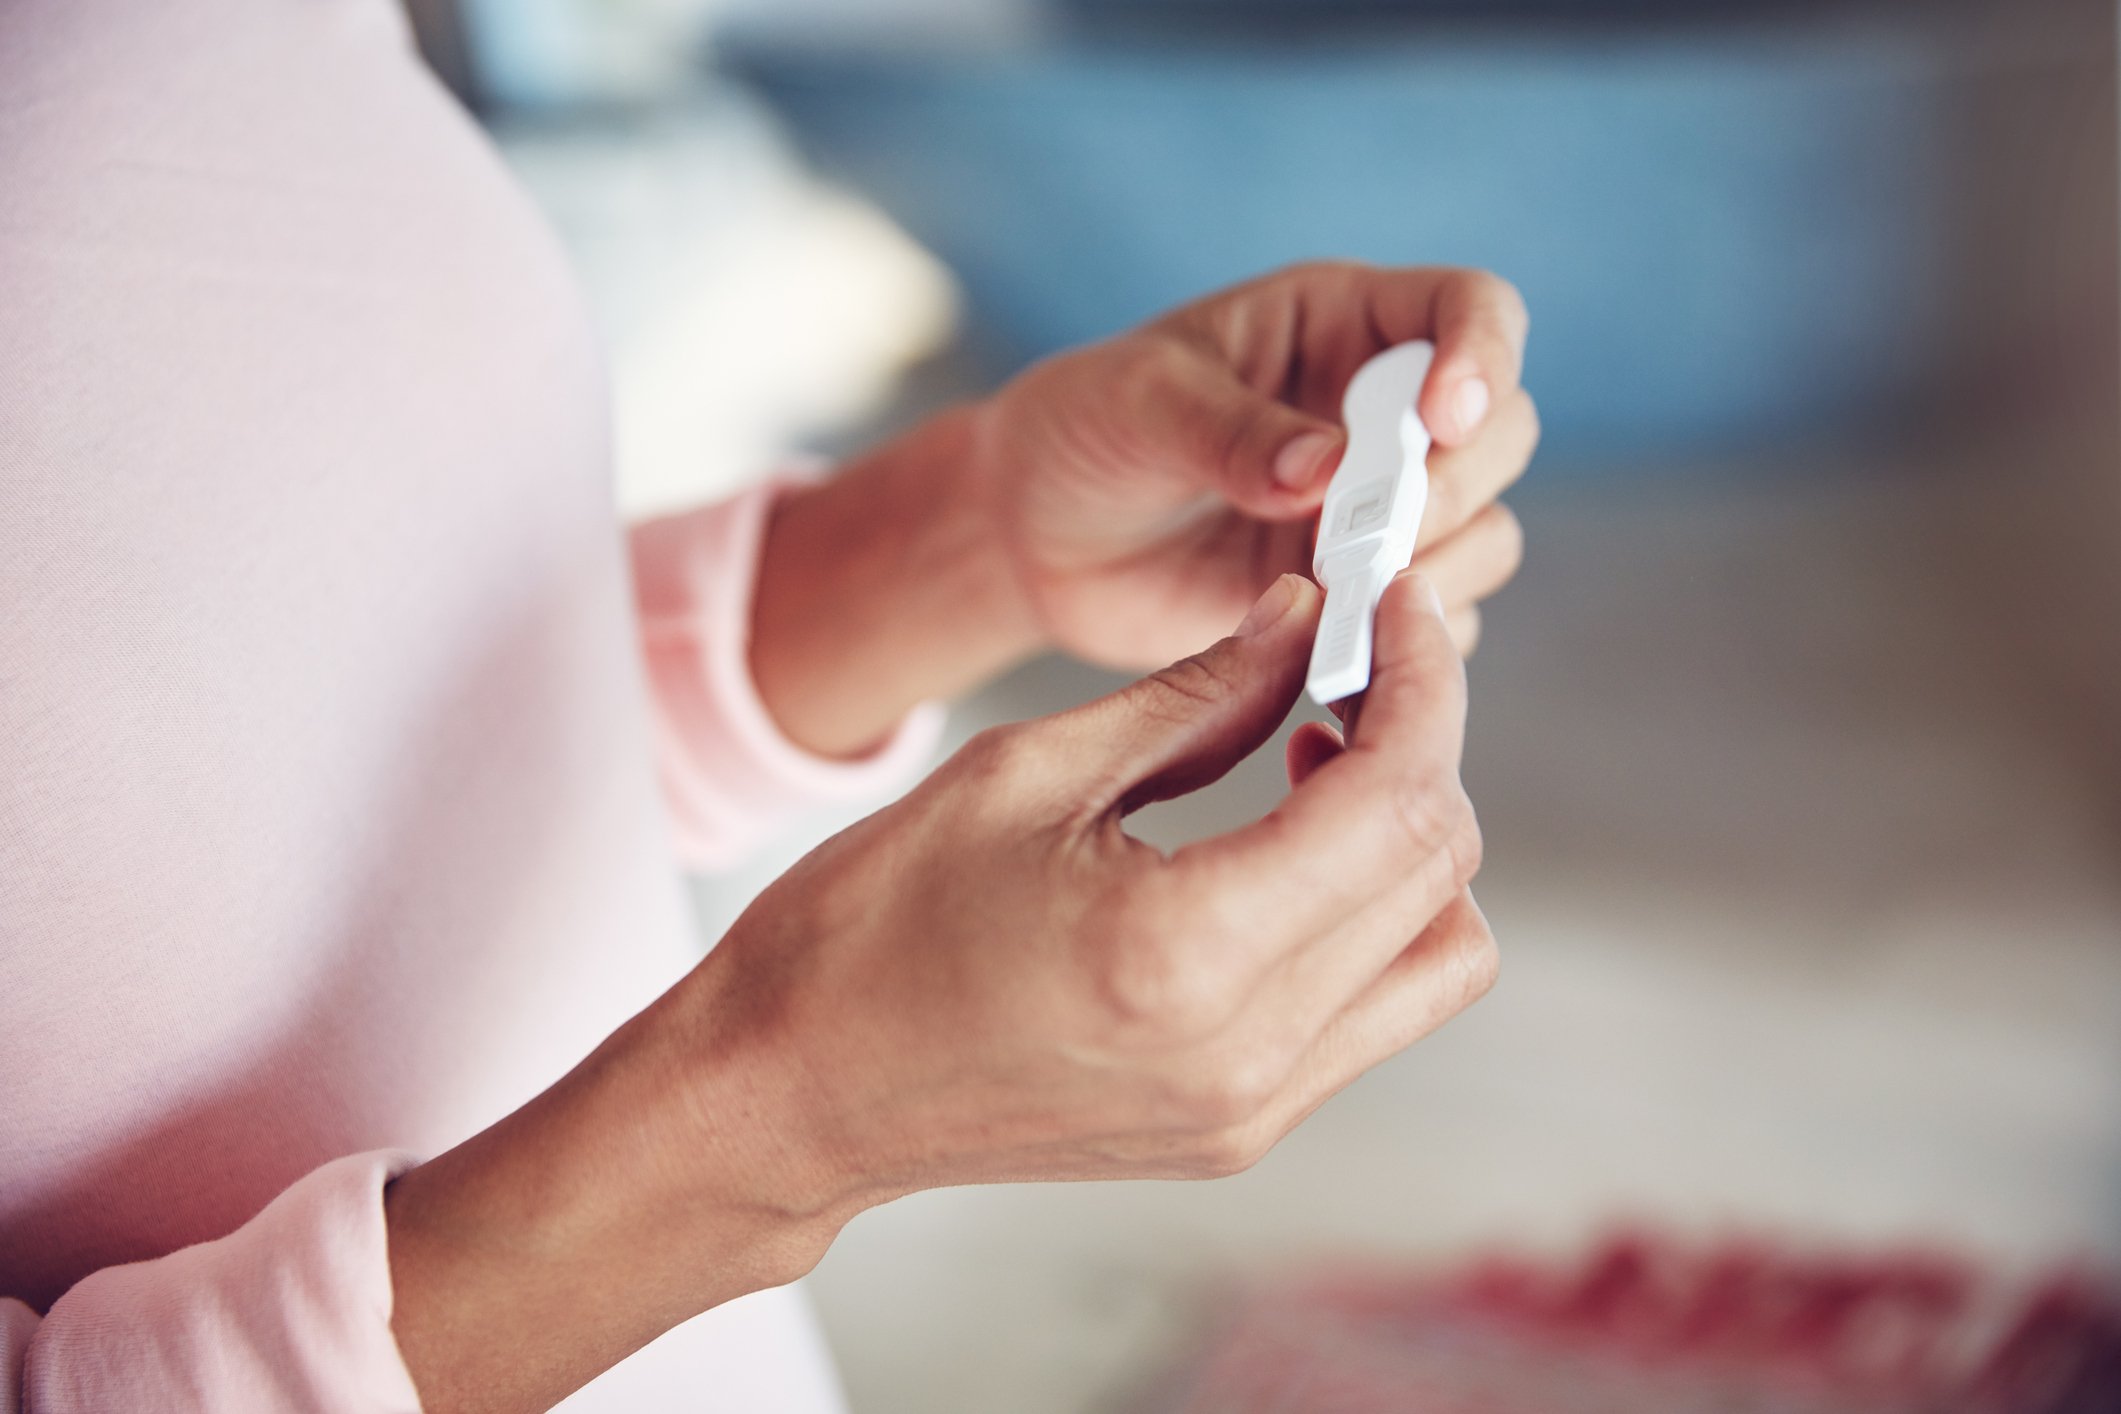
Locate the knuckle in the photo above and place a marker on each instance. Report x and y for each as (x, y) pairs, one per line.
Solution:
(1162, 999)
(1229, 1151)
(1466, 848)
(1479, 967)
(1179, 691)
(1235, 1088)
(1515, 434)
(1002, 756)
(1431, 810)
(1154, 992)
(1508, 302)
(1509, 539)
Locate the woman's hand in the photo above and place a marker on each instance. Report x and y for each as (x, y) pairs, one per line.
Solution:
(1126, 501)
(993, 981)
(988, 981)
(1149, 487)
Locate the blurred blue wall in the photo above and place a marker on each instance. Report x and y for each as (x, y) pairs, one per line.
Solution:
(1724, 240)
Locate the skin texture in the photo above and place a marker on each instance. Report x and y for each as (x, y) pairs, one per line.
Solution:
(991, 981)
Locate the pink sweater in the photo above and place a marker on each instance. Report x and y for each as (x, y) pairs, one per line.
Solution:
(329, 824)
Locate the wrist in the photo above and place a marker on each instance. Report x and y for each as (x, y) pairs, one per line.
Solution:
(639, 1191)
(885, 587)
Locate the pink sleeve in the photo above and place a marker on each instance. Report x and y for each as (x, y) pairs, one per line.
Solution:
(729, 775)
(289, 1311)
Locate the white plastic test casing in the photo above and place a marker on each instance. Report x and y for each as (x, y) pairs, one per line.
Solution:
(1372, 511)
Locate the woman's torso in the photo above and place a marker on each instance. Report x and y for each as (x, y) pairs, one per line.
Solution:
(325, 810)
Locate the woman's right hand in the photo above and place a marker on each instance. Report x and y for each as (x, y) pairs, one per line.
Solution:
(992, 981)
(989, 981)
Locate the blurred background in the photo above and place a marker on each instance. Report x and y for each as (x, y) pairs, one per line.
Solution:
(1798, 743)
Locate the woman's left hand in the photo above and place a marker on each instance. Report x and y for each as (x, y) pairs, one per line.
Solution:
(1126, 502)
(1147, 489)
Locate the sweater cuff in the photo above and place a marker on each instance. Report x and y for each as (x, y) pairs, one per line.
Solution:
(729, 773)
(290, 1311)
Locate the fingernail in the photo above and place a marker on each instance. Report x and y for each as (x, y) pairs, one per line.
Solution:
(1470, 404)
(1300, 462)
(1271, 607)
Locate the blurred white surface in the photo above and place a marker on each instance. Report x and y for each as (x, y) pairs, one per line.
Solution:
(748, 308)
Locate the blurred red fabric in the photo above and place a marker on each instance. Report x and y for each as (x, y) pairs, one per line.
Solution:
(1649, 1324)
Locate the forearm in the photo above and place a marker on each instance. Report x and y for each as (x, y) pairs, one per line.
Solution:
(655, 1181)
(884, 588)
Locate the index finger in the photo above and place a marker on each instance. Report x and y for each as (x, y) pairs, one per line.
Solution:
(1300, 333)
(1372, 817)
(1477, 320)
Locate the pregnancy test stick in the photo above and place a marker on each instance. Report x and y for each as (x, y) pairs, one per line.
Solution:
(1373, 509)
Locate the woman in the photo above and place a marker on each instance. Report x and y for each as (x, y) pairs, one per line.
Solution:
(329, 833)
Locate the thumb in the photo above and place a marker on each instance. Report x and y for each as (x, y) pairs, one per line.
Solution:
(1183, 727)
(1268, 459)
(1416, 701)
